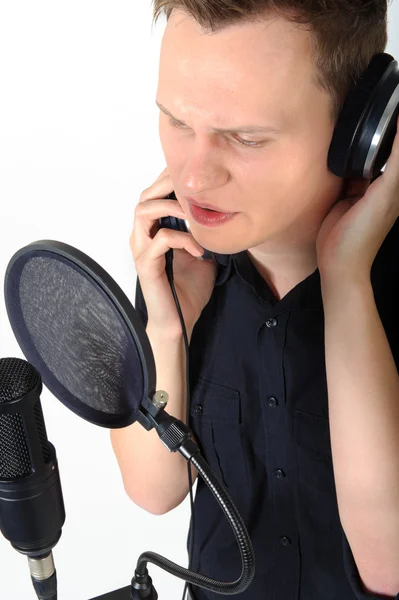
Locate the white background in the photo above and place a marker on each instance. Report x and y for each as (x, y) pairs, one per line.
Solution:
(78, 144)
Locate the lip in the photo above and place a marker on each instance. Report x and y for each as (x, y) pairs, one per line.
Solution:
(206, 205)
(209, 218)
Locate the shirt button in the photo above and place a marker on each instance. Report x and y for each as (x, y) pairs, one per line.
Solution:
(279, 474)
(284, 541)
(198, 409)
(273, 401)
(272, 322)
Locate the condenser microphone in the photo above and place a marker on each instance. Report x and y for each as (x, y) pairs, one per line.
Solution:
(32, 509)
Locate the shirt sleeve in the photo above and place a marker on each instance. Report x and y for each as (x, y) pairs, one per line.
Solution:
(353, 576)
(140, 305)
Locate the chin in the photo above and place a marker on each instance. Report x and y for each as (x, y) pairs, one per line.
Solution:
(223, 247)
(222, 239)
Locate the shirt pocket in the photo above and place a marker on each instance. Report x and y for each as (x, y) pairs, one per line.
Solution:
(314, 456)
(215, 417)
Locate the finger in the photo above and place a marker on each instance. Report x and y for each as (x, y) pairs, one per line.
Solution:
(146, 220)
(159, 189)
(162, 242)
(164, 172)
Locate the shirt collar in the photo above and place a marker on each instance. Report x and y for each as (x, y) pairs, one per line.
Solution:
(225, 263)
(305, 295)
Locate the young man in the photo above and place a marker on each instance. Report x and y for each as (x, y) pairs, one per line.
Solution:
(293, 329)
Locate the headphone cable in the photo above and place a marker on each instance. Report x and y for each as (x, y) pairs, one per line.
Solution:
(169, 272)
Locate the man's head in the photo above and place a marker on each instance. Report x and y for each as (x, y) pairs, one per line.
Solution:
(258, 69)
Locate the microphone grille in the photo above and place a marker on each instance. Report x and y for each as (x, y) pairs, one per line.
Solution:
(17, 378)
(14, 452)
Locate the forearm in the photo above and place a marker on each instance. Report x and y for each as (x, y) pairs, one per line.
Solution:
(155, 478)
(363, 398)
(170, 361)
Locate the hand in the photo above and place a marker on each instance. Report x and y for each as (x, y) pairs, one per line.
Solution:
(193, 279)
(357, 224)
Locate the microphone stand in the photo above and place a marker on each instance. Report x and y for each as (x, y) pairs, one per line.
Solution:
(121, 594)
(176, 436)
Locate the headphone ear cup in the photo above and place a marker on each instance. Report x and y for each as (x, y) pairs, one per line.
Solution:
(366, 128)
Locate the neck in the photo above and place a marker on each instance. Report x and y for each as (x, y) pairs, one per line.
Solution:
(282, 272)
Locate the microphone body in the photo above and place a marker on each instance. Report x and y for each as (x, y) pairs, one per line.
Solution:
(32, 510)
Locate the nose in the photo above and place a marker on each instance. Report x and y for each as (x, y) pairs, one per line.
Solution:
(203, 169)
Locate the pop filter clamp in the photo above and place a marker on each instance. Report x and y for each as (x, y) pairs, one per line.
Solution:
(78, 328)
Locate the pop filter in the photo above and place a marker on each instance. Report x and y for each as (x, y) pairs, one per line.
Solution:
(78, 328)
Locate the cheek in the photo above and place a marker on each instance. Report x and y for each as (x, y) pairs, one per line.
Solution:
(279, 173)
(283, 185)
(300, 169)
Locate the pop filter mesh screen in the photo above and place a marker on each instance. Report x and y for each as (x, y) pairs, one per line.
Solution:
(72, 332)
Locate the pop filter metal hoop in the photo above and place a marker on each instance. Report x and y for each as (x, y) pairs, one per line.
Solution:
(115, 299)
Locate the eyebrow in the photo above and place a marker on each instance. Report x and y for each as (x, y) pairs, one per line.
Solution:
(242, 129)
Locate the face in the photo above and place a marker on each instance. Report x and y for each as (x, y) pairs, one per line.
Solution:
(277, 181)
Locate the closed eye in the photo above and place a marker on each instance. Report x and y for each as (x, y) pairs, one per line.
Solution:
(241, 141)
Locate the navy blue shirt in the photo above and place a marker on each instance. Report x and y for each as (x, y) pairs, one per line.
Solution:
(259, 409)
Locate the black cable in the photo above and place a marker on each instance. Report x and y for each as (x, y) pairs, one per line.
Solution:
(46, 589)
(169, 272)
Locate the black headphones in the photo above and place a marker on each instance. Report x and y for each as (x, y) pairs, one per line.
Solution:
(364, 133)
(366, 128)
